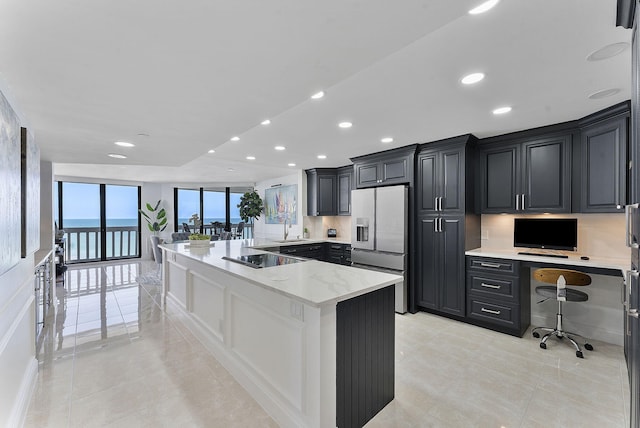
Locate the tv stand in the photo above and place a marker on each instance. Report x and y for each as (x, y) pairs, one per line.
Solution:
(560, 256)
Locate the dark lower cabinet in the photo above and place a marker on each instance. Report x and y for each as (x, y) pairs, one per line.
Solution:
(498, 294)
(337, 253)
(365, 360)
(441, 284)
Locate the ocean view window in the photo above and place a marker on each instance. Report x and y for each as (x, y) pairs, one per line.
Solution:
(101, 222)
(216, 207)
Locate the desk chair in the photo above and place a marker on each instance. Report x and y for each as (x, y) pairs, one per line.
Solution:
(561, 277)
(180, 236)
(185, 227)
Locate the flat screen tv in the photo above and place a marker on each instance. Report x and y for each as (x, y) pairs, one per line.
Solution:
(551, 233)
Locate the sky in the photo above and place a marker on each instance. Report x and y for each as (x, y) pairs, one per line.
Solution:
(82, 201)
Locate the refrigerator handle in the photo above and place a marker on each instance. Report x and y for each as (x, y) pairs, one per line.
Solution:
(627, 217)
(517, 202)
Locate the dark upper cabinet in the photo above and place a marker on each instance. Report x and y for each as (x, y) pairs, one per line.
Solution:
(345, 185)
(531, 176)
(321, 192)
(385, 168)
(603, 165)
(499, 180)
(441, 178)
(546, 185)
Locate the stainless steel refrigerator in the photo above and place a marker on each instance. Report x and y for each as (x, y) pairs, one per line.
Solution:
(379, 233)
(631, 307)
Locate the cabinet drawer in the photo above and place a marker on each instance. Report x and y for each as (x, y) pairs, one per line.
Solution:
(493, 286)
(508, 267)
(494, 313)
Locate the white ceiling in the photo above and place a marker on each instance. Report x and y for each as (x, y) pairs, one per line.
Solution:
(192, 74)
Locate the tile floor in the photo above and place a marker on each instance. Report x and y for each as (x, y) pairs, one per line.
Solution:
(112, 357)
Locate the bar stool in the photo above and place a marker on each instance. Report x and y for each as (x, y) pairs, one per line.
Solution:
(561, 278)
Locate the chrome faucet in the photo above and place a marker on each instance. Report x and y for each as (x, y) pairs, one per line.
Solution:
(285, 229)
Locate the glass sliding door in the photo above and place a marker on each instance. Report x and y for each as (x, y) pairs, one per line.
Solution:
(81, 221)
(122, 226)
(187, 204)
(214, 209)
(100, 221)
(234, 213)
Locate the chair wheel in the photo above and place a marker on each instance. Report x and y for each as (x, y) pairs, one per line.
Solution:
(588, 347)
(579, 354)
(536, 334)
(543, 345)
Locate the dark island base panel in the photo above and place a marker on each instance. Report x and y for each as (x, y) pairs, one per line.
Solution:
(365, 356)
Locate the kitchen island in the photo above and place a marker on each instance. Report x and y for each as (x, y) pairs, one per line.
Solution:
(312, 342)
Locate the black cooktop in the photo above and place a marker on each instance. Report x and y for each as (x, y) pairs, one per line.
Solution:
(259, 261)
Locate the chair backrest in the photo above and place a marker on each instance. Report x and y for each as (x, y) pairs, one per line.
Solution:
(185, 227)
(157, 252)
(572, 277)
(240, 227)
(180, 236)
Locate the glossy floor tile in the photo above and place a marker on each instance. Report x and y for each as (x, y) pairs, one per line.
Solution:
(112, 358)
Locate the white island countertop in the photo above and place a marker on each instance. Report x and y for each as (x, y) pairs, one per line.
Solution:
(313, 282)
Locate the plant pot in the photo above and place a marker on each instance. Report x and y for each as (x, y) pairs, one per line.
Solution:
(199, 243)
(305, 235)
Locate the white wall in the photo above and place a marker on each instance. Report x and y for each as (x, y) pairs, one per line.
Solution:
(276, 231)
(18, 365)
(599, 235)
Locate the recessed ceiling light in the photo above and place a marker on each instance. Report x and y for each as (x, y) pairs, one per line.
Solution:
(607, 51)
(502, 110)
(322, 156)
(291, 164)
(211, 151)
(317, 95)
(124, 144)
(143, 134)
(279, 148)
(387, 140)
(265, 122)
(251, 158)
(230, 169)
(604, 93)
(345, 125)
(472, 78)
(482, 8)
(236, 138)
(117, 156)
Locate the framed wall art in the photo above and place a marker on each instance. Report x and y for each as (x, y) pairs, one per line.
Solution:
(30, 195)
(10, 186)
(280, 204)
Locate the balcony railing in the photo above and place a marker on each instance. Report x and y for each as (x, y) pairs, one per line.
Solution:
(83, 243)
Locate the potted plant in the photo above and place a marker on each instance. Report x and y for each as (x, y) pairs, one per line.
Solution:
(250, 207)
(156, 219)
(199, 240)
(305, 233)
(156, 222)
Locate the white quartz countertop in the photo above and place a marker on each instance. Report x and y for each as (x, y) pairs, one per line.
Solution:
(573, 259)
(313, 282)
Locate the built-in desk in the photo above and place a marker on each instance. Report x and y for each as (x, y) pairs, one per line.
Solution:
(499, 290)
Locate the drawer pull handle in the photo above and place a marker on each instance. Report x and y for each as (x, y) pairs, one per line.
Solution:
(495, 287)
(490, 311)
(491, 265)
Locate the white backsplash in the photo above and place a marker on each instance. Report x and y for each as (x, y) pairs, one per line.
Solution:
(318, 226)
(599, 235)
